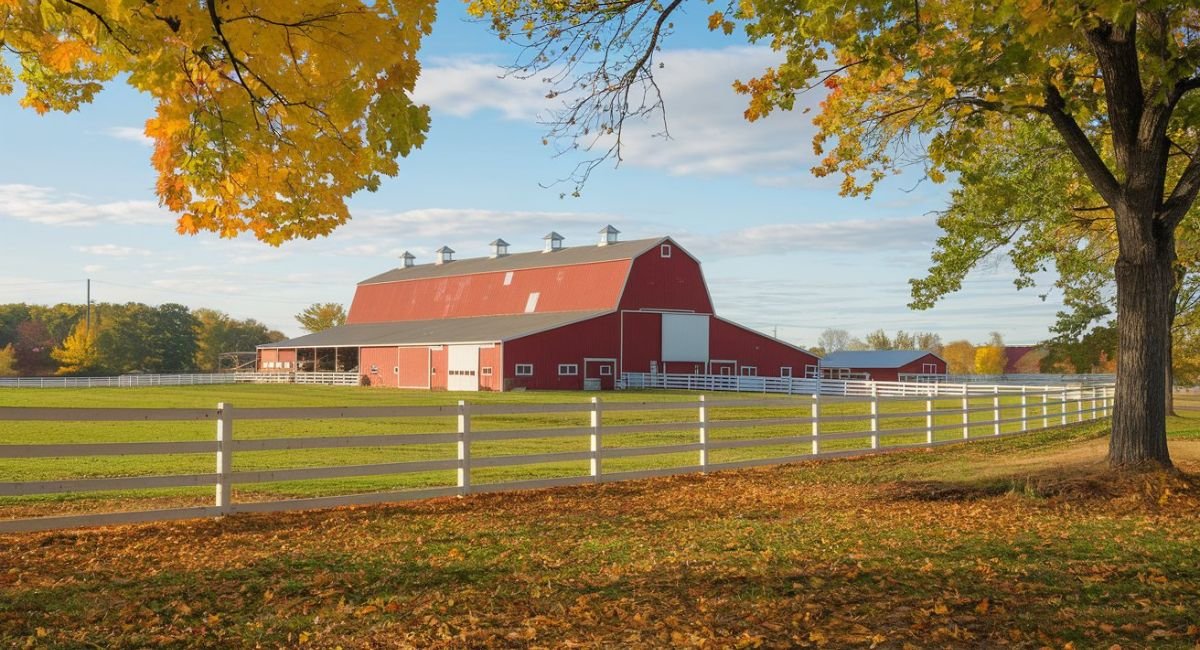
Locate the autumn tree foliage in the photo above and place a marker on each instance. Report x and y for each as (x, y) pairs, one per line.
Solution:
(78, 354)
(922, 84)
(321, 316)
(8, 361)
(960, 357)
(269, 113)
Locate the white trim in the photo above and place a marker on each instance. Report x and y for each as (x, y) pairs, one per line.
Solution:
(789, 372)
(517, 370)
(607, 367)
(572, 370)
(664, 251)
(748, 371)
(485, 371)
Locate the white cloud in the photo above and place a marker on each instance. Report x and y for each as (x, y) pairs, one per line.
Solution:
(130, 134)
(111, 250)
(94, 268)
(464, 86)
(46, 205)
(842, 236)
(449, 225)
(709, 135)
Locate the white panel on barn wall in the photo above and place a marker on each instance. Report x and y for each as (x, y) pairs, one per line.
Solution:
(531, 304)
(463, 367)
(685, 337)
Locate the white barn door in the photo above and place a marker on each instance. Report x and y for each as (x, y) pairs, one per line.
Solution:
(463, 373)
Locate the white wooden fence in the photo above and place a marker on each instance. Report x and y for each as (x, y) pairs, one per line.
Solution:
(1058, 406)
(193, 379)
(843, 387)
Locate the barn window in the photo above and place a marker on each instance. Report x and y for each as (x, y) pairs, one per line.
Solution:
(486, 371)
(664, 250)
(785, 373)
(812, 372)
(524, 369)
(568, 369)
(605, 371)
(395, 370)
(726, 370)
(508, 278)
(374, 370)
(929, 368)
(749, 371)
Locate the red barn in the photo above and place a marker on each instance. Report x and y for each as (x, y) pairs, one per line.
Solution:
(561, 318)
(884, 365)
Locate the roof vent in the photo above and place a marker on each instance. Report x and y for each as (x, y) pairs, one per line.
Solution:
(499, 248)
(408, 259)
(553, 242)
(608, 235)
(444, 254)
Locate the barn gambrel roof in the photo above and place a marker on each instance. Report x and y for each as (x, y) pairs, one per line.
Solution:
(479, 329)
(517, 261)
(872, 358)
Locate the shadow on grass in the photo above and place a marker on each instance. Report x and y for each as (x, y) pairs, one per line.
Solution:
(1081, 483)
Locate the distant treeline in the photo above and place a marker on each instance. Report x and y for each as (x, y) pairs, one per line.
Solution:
(121, 338)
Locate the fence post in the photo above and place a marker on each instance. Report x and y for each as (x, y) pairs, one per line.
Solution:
(1045, 409)
(816, 423)
(996, 410)
(929, 421)
(464, 448)
(703, 435)
(966, 414)
(1024, 411)
(224, 457)
(1064, 406)
(1079, 403)
(874, 416)
(595, 446)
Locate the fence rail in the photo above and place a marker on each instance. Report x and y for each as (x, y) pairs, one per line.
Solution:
(808, 434)
(843, 387)
(195, 379)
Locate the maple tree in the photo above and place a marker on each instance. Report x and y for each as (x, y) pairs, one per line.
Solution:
(78, 353)
(922, 84)
(269, 114)
(321, 316)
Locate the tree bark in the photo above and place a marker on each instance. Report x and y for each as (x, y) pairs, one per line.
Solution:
(1145, 286)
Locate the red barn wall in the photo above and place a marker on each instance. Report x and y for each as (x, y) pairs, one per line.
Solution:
(728, 341)
(490, 358)
(641, 340)
(913, 368)
(596, 337)
(675, 282)
(582, 287)
(384, 360)
(439, 360)
(414, 367)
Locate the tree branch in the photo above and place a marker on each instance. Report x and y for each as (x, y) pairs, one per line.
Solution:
(1077, 141)
(1183, 196)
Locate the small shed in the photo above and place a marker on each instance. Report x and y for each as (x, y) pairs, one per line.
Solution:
(884, 365)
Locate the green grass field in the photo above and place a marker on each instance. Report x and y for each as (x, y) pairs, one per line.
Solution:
(893, 415)
(1024, 542)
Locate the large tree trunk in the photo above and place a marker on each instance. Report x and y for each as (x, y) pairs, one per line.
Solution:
(1145, 285)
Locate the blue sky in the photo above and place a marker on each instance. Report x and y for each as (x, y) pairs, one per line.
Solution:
(781, 250)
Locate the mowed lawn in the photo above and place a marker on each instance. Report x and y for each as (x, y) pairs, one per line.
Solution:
(1021, 542)
(894, 415)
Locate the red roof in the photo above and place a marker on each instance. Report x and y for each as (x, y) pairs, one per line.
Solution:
(579, 279)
